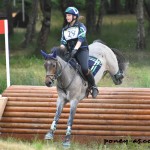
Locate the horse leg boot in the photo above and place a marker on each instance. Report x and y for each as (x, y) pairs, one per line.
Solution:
(50, 133)
(73, 107)
(117, 78)
(90, 78)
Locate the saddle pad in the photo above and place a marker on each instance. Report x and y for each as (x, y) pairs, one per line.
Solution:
(94, 64)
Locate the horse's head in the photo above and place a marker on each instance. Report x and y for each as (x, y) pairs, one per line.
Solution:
(50, 65)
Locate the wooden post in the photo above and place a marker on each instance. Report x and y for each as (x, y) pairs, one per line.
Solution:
(3, 101)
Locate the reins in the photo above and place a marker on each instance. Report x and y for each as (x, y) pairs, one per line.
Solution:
(57, 75)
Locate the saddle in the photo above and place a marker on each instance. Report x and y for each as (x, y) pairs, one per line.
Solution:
(94, 66)
(93, 63)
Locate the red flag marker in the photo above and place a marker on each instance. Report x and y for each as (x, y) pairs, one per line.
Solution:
(2, 28)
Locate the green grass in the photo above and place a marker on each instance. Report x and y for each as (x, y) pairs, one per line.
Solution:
(14, 144)
(117, 31)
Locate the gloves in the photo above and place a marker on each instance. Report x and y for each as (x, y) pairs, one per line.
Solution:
(73, 52)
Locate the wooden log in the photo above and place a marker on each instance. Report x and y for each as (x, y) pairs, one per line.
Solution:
(76, 121)
(111, 101)
(85, 110)
(78, 116)
(115, 112)
(78, 132)
(80, 105)
(76, 127)
(3, 101)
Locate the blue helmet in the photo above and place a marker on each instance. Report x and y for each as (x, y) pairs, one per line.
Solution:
(72, 10)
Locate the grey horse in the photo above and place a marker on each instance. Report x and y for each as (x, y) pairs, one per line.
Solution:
(70, 85)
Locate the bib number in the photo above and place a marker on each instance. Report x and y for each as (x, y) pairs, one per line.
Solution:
(71, 33)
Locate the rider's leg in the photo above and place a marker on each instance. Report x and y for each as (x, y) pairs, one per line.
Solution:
(90, 78)
(83, 57)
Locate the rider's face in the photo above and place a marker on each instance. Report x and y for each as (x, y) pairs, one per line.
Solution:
(69, 17)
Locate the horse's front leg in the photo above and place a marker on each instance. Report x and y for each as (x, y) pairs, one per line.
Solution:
(60, 105)
(73, 107)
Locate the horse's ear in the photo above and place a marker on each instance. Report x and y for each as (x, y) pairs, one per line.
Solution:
(45, 55)
(54, 54)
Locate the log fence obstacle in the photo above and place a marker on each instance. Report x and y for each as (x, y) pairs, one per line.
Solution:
(116, 113)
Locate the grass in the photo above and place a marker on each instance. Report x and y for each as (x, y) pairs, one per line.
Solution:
(15, 144)
(117, 31)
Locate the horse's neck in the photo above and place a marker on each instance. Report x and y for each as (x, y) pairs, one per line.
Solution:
(66, 71)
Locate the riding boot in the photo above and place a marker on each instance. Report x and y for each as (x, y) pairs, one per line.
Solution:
(91, 81)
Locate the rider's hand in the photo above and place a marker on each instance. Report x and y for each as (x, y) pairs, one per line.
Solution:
(73, 52)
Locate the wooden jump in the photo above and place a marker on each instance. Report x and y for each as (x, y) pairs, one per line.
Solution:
(116, 113)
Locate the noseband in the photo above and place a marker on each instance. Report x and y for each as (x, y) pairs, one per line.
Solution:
(57, 73)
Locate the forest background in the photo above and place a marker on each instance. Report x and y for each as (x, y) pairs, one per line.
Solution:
(37, 24)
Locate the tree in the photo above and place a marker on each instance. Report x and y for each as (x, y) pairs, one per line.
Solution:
(101, 12)
(45, 6)
(8, 11)
(115, 6)
(31, 25)
(140, 25)
(90, 15)
(63, 5)
(130, 6)
(147, 9)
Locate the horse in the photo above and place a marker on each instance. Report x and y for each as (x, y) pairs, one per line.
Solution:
(71, 87)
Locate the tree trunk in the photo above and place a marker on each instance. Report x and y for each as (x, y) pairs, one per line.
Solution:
(115, 6)
(31, 25)
(63, 5)
(140, 26)
(130, 6)
(8, 11)
(90, 15)
(100, 16)
(147, 9)
(45, 30)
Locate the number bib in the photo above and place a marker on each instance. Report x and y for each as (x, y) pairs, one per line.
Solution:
(71, 33)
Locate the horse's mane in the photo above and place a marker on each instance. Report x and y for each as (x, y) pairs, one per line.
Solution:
(60, 52)
(122, 62)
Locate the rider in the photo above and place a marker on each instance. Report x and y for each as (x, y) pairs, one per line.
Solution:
(74, 39)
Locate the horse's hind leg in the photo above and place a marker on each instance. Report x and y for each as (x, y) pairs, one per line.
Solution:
(73, 107)
(50, 133)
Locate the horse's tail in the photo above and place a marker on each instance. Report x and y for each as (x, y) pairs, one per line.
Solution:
(122, 61)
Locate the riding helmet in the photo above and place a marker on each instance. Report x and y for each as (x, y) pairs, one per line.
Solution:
(72, 10)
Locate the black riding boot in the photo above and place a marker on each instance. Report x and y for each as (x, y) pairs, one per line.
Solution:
(91, 82)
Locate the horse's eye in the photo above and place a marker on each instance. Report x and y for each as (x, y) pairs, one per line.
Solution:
(54, 65)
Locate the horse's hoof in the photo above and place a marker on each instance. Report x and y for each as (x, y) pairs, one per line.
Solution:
(49, 135)
(66, 143)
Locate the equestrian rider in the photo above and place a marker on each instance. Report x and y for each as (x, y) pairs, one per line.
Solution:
(74, 39)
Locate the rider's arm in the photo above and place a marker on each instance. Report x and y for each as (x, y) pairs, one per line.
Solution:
(78, 44)
(63, 41)
(81, 36)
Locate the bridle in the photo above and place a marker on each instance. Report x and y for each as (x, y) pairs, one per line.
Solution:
(57, 74)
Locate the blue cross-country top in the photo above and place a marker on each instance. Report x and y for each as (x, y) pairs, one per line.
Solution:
(72, 34)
